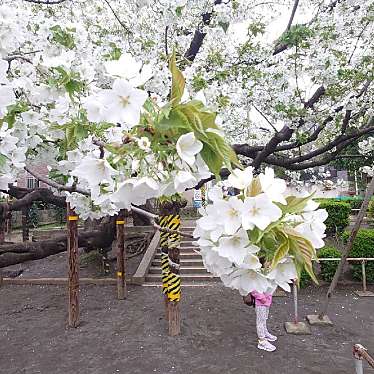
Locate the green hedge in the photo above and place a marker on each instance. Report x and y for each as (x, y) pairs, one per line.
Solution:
(328, 268)
(370, 212)
(355, 201)
(363, 246)
(338, 218)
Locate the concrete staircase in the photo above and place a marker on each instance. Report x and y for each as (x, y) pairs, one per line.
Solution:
(192, 270)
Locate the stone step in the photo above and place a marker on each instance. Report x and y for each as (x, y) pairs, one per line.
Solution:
(183, 262)
(186, 243)
(192, 248)
(183, 270)
(183, 255)
(188, 278)
(184, 284)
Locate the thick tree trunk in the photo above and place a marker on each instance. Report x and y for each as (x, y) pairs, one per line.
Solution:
(11, 254)
(345, 253)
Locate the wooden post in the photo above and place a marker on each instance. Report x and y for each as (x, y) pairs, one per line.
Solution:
(364, 276)
(25, 224)
(2, 234)
(121, 258)
(73, 277)
(174, 292)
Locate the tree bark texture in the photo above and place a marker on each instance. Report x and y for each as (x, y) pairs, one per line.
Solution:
(73, 262)
(121, 260)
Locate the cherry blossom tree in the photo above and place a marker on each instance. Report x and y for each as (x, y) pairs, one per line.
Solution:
(120, 99)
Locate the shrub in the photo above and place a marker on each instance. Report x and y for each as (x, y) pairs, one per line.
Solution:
(305, 279)
(355, 202)
(371, 209)
(363, 246)
(338, 218)
(328, 268)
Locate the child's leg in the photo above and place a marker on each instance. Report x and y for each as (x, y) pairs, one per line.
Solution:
(261, 312)
(263, 343)
(270, 337)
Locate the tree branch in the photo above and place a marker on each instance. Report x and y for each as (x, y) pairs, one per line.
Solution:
(41, 194)
(46, 2)
(117, 18)
(166, 40)
(340, 142)
(295, 5)
(198, 38)
(56, 185)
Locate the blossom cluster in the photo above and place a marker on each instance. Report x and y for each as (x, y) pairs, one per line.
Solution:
(260, 238)
(76, 75)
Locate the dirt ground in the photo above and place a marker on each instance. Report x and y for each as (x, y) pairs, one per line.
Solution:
(218, 333)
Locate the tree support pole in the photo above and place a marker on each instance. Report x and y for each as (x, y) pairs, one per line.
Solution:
(3, 216)
(296, 327)
(165, 268)
(121, 265)
(73, 276)
(174, 283)
(174, 294)
(322, 318)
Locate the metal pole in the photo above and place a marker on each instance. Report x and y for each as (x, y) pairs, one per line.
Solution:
(359, 366)
(295, 302)
(363, 275)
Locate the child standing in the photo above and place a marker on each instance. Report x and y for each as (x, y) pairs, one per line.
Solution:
(262, 302)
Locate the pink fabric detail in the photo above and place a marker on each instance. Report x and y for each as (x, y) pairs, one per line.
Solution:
(262, 299)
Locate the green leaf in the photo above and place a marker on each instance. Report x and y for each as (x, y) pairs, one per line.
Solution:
(211, 158)
(178, 10)
(224, 25)
(3, 160)
(303, 251)
(175, 120)
(63, 37)
(295, 204)
(178, 81)
(255, 235)
(70, 136)
(254, 188)
(281, 251)
(80, 132)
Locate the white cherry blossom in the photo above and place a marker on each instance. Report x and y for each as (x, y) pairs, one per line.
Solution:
(273, 187)
(259, 211)
(188, 147)
(240, 179)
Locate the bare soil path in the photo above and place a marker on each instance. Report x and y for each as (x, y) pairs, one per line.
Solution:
(218, 333)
